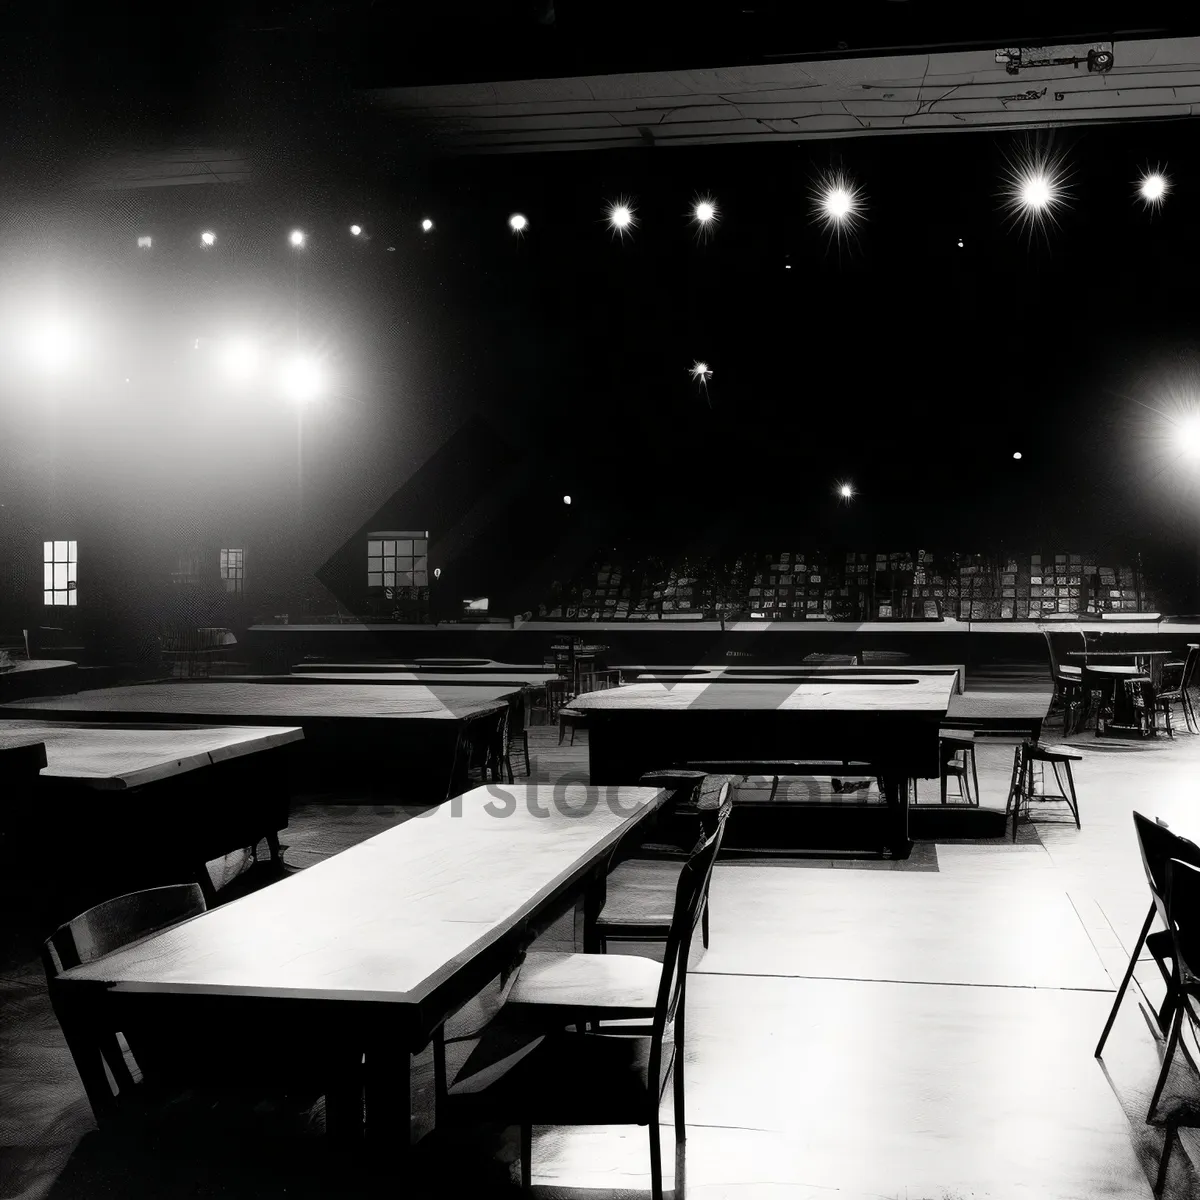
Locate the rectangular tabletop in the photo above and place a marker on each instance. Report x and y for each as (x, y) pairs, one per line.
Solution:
(116, 757)
(217, 702)
(511, 681)
(849, 694)
(1120, 653)
(889, 721)
(405, 919)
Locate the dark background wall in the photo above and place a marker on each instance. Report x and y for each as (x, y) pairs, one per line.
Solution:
(897, 359)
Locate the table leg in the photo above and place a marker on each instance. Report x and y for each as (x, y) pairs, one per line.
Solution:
(344, 1099)
(593, 902)
(388, 1070)
(895, 791)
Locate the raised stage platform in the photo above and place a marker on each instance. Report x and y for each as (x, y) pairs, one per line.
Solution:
(279, 648)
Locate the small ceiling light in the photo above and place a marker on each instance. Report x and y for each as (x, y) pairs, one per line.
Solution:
(53, 347)
(566, 499)
(621, 218)
(839, 203)
(1189, 436)
(437, 572)
(518, 223)
(301, 379)
(701, 372)
(960, 243)
(296, 237)
(208, 238)
(705, 216)
(239, 358)
(1017, 454)
(427, 225)
(1153, 188)
(845, 491)
(356, 230)
(144, 243)
(1036, 189)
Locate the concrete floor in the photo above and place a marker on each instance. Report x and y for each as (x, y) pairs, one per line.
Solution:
(857, 1029)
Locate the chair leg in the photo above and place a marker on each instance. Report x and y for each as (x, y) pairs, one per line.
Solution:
(1168, 1059)
(572, 735)
(526, 1157)
(680, 1122)
(1165, 1158)
(1137, 949)
(525, 745)
(774, 786)
(704, 925)
(1073, 798)
(562, 731)
(656, 1183)
(1018, 755)
(974, 776)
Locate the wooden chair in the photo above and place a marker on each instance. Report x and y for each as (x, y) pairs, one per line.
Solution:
(518, 734)
(1183, 924)
(1174, 688)
(557, 694)
(529, 1069)
(956, 759)
(640, 891)
(572, 719)
(1022, 790)
(91, 935)
(677, 824)
(489, 747)
(210, 1062)
(1067, 679)
(1158, 846)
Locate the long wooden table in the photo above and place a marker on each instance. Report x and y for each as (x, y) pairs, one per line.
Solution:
(365, 955)
(511, 681)
(390, 738)
(118, 806)
(890, 722)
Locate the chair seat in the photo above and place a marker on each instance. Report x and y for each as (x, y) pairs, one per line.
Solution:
(641, 892)
(1045, 753)
(572, 716)
(555, 1079)
(957, 735)
(619, 986)
(1071, 672)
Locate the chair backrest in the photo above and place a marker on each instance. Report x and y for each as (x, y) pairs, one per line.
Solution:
(517, 712)
(1171, 680)
(1189, 665)
(1053, 647)
(1183, 912)
(1158, 846)
(488, 737)
(690, 894)
(116, 923)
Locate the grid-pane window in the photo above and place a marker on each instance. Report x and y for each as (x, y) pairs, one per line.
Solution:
(397, 560)
(59, 560)
(233, 569)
